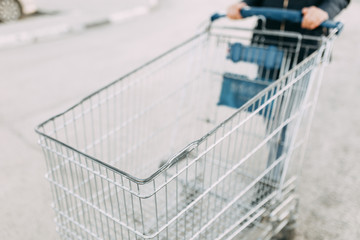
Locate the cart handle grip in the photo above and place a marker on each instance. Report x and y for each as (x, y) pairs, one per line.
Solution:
(279, 14)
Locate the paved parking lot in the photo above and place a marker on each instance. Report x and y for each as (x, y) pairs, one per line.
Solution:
(39, 80)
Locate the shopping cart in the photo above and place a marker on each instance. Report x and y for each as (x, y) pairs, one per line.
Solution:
(203, 142)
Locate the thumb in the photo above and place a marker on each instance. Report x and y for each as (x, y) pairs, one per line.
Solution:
(305, 10)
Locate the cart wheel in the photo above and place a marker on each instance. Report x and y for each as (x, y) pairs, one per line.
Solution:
(288, 233)
(10, 10)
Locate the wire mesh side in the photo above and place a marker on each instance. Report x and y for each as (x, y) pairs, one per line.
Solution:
(218, 186)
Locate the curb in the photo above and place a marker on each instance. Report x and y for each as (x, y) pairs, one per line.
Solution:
(46, 33)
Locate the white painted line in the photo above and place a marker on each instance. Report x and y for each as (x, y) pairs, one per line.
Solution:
(26, 37)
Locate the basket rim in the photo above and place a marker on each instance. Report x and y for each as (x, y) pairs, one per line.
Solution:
(177, 156)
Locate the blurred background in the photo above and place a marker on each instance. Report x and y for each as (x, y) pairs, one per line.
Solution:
(54, 53)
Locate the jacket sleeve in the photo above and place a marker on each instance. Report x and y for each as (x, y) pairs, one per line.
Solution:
(333, 7)
(253, 3)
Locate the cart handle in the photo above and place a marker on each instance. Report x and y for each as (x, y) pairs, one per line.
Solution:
(279, 14)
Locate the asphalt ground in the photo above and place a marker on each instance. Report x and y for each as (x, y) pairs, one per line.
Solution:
(40, 80)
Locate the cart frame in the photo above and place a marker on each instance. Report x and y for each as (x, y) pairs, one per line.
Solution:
(191, 194)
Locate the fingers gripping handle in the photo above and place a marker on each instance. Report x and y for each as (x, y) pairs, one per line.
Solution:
(278, 14)
(284, 15)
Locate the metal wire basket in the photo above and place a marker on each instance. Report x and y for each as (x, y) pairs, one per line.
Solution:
(160, 154)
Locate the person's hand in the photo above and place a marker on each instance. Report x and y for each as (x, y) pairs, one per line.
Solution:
(313, 17)
(233, 11)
